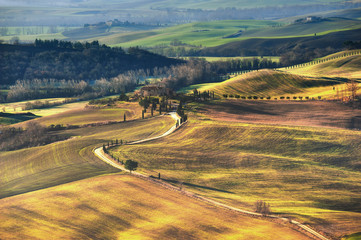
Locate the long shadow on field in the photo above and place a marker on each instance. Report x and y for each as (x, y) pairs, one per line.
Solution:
(234, 108)
(193, 185)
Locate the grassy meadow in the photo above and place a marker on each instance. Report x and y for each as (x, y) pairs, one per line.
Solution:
(309, 173)
(60, 162)
(123, 207)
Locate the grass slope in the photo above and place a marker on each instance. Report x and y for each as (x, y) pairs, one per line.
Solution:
(40, 167)
(269, 83)
(344, 67)
(309, 173)
(124, 207)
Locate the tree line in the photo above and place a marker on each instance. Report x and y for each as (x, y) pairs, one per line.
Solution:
(33, 135)
(82, 90)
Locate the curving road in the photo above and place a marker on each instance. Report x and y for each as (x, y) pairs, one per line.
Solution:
(100, 154)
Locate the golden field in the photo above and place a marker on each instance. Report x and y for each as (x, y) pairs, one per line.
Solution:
(124, 207)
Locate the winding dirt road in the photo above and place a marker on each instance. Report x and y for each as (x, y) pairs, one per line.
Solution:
(100, 154)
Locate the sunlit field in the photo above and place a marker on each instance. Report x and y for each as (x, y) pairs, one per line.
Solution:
(310, 173)
(124, 207)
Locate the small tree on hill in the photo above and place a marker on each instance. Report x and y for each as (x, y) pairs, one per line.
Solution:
(131, 165)
(262, 207)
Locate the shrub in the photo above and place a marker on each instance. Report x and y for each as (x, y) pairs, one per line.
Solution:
(262, 207)
(255, 97)
(237, 96)
(282, 98)
(268, 98)
(288, 98)
(294, 98)
(131, 165)
(225, 95)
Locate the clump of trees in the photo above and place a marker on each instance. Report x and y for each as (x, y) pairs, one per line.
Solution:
(262, 207)
(109, 101)
(45, 104)
(33, 135)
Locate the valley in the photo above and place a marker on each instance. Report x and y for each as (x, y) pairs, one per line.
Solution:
(180, 119)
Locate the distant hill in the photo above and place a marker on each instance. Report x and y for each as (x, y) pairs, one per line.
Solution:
(293, 50)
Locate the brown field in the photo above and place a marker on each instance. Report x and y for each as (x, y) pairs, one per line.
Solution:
(125, 207)
(296, 113)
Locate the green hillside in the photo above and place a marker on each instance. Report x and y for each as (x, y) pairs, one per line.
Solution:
(201, 33)
(220, 32)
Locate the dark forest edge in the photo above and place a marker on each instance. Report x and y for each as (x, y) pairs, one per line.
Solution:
(86, 71)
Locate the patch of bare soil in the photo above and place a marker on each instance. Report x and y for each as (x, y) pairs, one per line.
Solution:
(295, 113)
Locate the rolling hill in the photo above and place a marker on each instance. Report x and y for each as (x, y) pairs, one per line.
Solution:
(40, 167)
(345, 64)
(264, 83)
(311, 173)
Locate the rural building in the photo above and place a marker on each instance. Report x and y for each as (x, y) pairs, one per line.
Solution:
(155, 90)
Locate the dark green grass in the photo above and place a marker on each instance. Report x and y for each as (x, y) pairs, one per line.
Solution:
(355, 236)
(9, 118)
